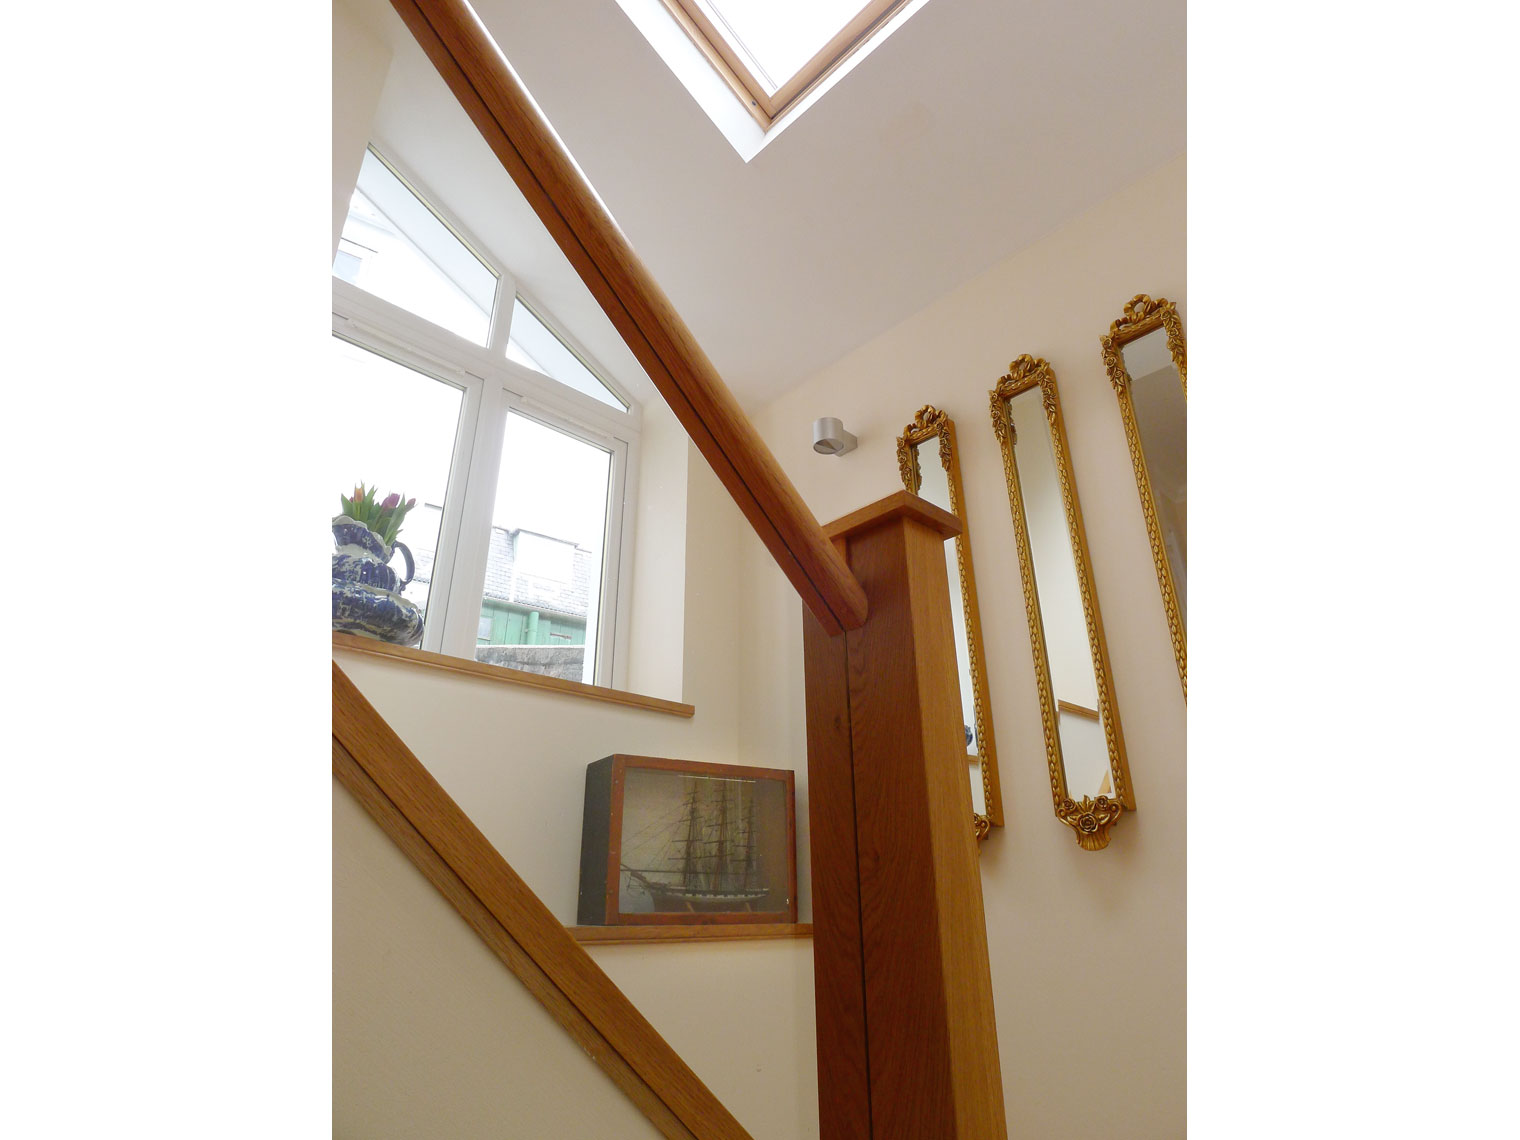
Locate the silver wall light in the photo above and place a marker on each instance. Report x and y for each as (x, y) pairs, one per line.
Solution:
(830, 438)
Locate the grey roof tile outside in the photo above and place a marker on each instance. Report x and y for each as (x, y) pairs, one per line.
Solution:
(503, 583)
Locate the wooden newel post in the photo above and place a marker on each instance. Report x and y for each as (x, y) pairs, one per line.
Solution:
(907, 1045)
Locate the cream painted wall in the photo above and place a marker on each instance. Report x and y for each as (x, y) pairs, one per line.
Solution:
(360, 63)
(432, 1036)
(515, 761)
(1088, 949)
(741, 1016)
(658, 622)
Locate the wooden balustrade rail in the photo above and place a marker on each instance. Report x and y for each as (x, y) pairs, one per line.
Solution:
(507, 118)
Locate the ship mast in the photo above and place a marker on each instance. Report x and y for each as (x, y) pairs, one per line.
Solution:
(748, 795)
(720, 865)
(687, 860)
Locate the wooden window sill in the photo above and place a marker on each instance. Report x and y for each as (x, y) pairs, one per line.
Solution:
(714, 932)
(356, 644)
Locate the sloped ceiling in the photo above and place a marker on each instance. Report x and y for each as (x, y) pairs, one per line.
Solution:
(976, 129)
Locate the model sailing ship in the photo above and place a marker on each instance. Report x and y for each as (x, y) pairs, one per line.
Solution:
(708, 863)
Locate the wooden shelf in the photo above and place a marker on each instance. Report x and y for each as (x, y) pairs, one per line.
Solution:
(712, 932)
(356, 644)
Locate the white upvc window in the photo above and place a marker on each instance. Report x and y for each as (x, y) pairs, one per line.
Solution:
(520, 535)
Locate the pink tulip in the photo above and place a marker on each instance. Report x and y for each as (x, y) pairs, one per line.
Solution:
(391, 502)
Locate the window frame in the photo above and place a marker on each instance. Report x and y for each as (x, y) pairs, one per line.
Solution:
(729, 63)
(570, 344)
(500, 318)
(493, 386)
(498, 399)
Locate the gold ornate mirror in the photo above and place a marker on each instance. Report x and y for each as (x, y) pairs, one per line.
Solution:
(1084, 746)
(1146, 359)
(931, 469)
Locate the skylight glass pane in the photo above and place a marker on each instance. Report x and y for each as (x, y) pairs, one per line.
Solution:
(779, 36)
(395, 247)
(534, 345)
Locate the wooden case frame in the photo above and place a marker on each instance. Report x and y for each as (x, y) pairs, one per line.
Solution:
(602, 842)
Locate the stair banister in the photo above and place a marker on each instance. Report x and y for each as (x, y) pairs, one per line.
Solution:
(526, 145)
(906, 1034)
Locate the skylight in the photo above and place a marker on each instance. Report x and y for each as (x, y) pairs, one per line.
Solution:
(778, 37)
(772, 52)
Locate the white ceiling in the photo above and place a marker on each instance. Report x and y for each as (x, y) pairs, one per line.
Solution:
(973, 131)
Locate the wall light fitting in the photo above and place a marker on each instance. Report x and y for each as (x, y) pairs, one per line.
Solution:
(830, 438)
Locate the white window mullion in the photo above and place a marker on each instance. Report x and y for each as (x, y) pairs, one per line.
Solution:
(474, 547)
(501, 315)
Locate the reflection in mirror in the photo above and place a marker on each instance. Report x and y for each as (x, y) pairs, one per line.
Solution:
(934, 485)
(1146, 359)
(1084, 746)
(978, 794)
(930, 468)
(1160, 408)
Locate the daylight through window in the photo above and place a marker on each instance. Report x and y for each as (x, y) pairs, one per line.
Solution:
(514, 446)
(773, 51)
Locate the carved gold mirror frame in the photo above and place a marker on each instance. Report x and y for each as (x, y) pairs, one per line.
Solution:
(931, 423)
(1143, 316)
(1094, 815)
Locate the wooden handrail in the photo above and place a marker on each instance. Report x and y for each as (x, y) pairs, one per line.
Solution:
(393, 786)
(1077, 710)
(526, 145)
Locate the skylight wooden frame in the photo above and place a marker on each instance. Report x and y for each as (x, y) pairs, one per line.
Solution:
(766, 109)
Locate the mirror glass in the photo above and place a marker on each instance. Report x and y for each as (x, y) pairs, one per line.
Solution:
(934, 485)
(1084, 746)
(1160, 407)
(1074, 685)
(927, 462)
(1145, 356)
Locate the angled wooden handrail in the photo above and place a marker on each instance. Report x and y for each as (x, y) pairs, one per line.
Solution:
(526, 145)
(414, 810)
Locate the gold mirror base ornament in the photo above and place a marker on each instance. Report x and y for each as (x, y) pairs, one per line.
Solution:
(1092, 819)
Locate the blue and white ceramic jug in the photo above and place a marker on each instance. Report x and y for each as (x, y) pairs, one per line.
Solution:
(366, 593)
